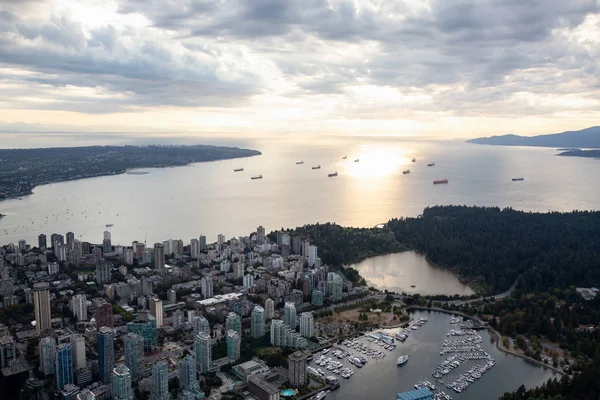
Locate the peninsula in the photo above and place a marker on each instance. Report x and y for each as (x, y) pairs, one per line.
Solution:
(23, 169)
(581, 153)
(585, 138)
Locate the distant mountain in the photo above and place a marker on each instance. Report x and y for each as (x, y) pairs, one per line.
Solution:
(585, 138)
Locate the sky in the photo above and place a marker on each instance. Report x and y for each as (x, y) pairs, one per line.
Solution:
(431, 68)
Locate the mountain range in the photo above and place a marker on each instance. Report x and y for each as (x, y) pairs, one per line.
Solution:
(585, 138)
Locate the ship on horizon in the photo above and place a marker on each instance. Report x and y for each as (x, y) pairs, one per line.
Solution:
(317, 167)
(256, 177)
(406, 171)
(238, 169)
(331, 175)
(109, 225)
(414, 160)
(357, 160)
(440, 181)
(299, 162)
(431, 164)
(518, 179)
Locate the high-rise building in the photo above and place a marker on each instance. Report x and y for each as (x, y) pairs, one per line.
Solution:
(106, 243)
(233, 341)
(233, 322)
(78, 351)
(121, 383)
(269, 308)
(172, 296)
(42, 242)
(206, 284)
(159, 257)
(188, 379)
(178, 319)
(203, 351)
(32, 390)
(202, 242)
(278, 337)
(260, 235)
(103, 272)
(41, 303)
(334, 286)
(220, 239)
(257, 322)
(146, 284)
(200, 325)
(248, 280)
(305, 248)
(63, 366)
(289, 315)
(8, 351)
(297, 297)
(194, 248)
(312, 255)
(71, 240)
(307, 324)
(297, 369)
(96, 254)
(104, 315)
(160, 381)
(79, 307)
(156, 310)
(56, 240)
(146, 328)
(134, 355)
(238, 270)
(317, 298)
(106, 354)
(47, 355)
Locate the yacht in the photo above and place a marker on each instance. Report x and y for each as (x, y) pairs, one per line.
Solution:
(402, 360)
(321, 395)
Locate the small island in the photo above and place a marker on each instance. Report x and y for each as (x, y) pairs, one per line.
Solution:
(581, 153)
(24, 169)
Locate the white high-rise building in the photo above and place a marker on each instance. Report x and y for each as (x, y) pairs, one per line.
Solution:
(289, 315)
(156, 310)
(307, 324)
(248, 280)
(312, 255)
(206, 284)
(269, 308)
(257, 322)
(200, 325)
(78, 351)
(79, 307)
(121, 383)
(203, 351)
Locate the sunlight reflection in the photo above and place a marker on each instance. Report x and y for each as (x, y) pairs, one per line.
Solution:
(376, 162)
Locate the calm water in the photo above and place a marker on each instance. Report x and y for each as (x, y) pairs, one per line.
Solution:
(382, 379)
(210, 198)
(398, 272)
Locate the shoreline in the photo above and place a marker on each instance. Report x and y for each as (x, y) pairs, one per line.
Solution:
(497, 336)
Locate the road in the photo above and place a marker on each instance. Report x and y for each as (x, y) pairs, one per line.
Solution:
(497, 297)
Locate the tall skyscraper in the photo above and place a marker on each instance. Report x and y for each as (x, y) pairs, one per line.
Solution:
(71, 240)
(260, 235)
(79, 307)
(178, 318)
(203, 351)
(233, 322)
(172, 296)
(248, 280)
(187, 374)
(47, 355)
(121, 383)
(297, 369)
(317, 298)
(305, 248)
(220, 239)
(269, 308)
(278, 337)
(312, 255)
(233, 341)
(104, 315)
(156, 310)
(146, 328)
(257, 322)
(78, 351)
(106, 243)
(63, 366)
(334, 286)
(103, 271)
(160, 381)
(289, 315)
(202, 242)
(134, 355)
(307, 324)
(106, 354)
(159, 257)
(200, 325)
(194, 248)
(42, 242)
(206, 284)
(41, 303)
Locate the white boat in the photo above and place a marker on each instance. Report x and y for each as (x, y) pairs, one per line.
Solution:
(402, 360)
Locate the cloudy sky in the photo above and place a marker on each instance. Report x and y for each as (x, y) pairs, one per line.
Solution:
(443, 68)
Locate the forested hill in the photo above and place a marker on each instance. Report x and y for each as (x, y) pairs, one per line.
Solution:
(494, 246)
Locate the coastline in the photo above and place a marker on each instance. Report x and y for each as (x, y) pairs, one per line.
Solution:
(496, 334)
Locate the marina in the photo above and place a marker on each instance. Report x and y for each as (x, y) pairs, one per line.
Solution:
(470, 367)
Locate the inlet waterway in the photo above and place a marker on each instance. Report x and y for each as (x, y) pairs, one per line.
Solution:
(382, 379)
(411, 273)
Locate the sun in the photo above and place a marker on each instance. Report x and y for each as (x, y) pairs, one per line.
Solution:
(375, 162)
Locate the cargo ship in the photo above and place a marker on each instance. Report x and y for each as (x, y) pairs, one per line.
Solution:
(431, 164)
(518, 179)
(256, 177)
(299, 162)
(414, 160)
(440, 181)
(406, 171)
(238, 170)
(317, 167)
(357, 160)
(331, 175)
(344, 157)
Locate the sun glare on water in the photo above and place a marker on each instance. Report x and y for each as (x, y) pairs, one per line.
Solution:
(373, 163)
